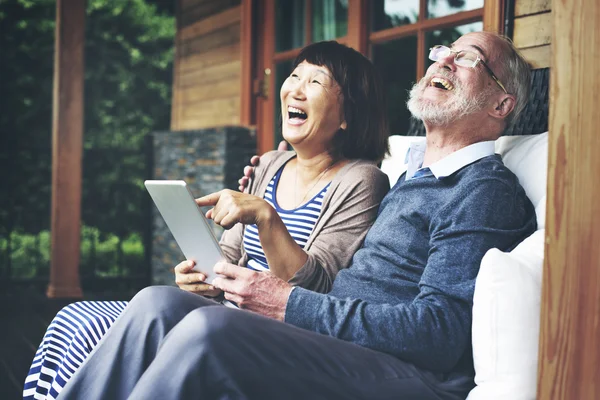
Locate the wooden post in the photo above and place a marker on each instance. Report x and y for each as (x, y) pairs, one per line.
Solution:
(176, 109)
(493, 16)
(357, 25)
(247, 50)
(569, 362)
(67, 135)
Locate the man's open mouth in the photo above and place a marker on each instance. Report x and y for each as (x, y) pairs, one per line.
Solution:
(296, 113)
(441, 83)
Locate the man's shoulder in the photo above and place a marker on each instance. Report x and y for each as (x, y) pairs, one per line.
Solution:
(490, 170)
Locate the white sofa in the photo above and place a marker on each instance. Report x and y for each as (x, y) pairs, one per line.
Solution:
(506, 304)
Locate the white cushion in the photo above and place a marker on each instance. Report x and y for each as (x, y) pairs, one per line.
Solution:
(393, 165)
(527, 157)
(506, 322)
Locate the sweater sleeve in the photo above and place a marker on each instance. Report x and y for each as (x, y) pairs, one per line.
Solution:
(433, 330)
(355, 205)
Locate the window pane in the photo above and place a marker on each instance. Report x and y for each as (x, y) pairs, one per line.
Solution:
(329, 19)
(389, 13)
(439, 8)
(448, 36)
(397, 63)
(282, 71)
(290, 17)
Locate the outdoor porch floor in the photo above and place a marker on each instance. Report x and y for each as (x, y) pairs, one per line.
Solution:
(24, 316)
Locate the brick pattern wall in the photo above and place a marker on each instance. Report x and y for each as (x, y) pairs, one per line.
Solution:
(208, 160)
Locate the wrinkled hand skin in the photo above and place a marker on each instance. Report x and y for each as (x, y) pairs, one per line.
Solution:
(260, 292)
(192, 281)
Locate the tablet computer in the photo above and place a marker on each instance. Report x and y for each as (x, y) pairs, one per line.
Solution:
(187, 223)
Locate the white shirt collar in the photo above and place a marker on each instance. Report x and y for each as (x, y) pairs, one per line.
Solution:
(449, 164)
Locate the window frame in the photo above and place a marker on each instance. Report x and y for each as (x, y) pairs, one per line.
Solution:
(258, 103)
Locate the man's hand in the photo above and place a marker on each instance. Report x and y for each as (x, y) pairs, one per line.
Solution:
(192, 281)
(260, 292)
(249, 169)
(231, 207)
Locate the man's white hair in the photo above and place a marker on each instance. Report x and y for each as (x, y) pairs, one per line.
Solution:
(514, 72)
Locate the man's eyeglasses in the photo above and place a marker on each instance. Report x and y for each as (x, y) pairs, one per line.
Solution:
(464, 59)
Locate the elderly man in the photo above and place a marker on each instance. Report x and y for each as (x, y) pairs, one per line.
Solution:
(397, 322)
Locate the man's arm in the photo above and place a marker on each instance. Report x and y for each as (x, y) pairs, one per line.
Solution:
(432, 331)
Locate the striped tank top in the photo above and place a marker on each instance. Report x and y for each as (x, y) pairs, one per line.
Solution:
(299, 222)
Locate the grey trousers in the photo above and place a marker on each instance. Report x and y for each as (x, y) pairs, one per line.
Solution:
(170, 344)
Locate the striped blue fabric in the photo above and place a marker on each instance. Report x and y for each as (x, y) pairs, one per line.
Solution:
(299, 222)
(70, 338)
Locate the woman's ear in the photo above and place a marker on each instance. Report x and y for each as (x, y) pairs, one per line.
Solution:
(503, 106)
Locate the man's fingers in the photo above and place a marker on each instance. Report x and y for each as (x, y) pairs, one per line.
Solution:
(208, 200)
(239, 300)
(254, 160)
(282, 146)
(248, 171)
(230, 271)
(224, 284)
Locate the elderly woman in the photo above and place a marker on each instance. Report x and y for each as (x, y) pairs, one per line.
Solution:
(306, 213)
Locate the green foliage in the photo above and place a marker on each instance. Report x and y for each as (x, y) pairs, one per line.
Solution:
(128, 58)
(31, 255)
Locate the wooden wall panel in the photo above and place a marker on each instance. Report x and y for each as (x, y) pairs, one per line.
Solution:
(207, 85)
(533, 31)
(527, 7)
(197, 10)
(538, 57)
(569, 361)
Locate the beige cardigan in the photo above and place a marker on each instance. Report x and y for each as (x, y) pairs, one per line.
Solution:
(349, 209)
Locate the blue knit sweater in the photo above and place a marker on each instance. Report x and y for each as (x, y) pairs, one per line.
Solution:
(409, 289)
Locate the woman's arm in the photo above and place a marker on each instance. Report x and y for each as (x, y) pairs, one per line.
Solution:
(233, 210)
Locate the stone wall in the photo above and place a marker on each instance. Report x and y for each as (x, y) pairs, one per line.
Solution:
(208, 160)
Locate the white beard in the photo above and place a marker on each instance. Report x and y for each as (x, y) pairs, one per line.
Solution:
(444, 114)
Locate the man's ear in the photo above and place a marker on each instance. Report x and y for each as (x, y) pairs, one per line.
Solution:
(344, 125)
(503, 106)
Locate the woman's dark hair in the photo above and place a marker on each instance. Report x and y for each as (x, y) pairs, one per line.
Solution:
(367, 132)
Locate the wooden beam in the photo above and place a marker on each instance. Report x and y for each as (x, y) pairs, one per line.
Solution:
(358, 25)
(493, 16)
(569, 361)
(67, 148)
(247, 61)
(265, 106)
(175, 107)
(461, 18)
